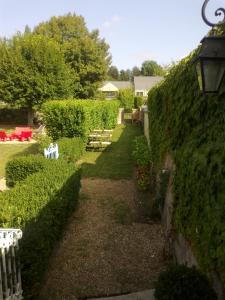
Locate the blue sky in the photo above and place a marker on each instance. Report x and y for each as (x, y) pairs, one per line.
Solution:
(163, 30)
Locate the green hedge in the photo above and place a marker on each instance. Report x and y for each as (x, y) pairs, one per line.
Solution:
(126, 98)
(191, 127)
(69, 118)
(141, 152)
(71, 149)
(40, 206)
(20, 168)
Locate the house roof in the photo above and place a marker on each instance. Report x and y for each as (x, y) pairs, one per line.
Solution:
(109, 86)
(122, 84)
(146, 82)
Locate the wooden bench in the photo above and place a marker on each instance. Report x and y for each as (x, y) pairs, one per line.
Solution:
(99, 139)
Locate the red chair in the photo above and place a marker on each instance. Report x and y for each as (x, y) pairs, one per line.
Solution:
(3, 135)
(18, 131)
(25, 135)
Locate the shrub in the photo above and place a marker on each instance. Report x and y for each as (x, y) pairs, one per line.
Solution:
(71, 149)
(18, 169)
(70, 118)
(138, 101)
(141, 152)
(40, 206)
(180, 282)
(43, 142)
(126, 98)
(143, 176)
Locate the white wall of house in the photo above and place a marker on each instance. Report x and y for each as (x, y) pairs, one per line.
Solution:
(109, 90)
(108, 87)
(143, 93)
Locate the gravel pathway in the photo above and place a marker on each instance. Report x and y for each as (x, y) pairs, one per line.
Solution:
(105, 250)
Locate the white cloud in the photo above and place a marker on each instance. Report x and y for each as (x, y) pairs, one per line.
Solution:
(112, 21)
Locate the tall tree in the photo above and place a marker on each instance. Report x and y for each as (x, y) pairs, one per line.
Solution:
(113, 73)
(136, 71)
(32, 70)
(84, 51)
(125, 75)
(151, 68)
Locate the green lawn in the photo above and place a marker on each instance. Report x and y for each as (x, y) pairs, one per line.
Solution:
(7, 152)
(116, 161)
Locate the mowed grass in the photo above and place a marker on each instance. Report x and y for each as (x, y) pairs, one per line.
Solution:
(7, 152)
(116, 161)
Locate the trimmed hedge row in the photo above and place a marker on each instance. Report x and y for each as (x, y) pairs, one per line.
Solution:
(20, 168)
(69, 118)
(71, 149)
(191, 127)
(40, 206)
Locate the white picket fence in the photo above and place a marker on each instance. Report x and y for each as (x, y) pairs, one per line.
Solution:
(10, 273)
(52, 151)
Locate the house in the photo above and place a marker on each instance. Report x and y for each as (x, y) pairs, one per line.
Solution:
(142, 84)
(111, 88)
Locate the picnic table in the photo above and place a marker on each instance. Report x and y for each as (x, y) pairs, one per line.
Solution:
(99, 139)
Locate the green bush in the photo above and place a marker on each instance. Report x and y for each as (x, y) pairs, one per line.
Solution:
(71, 149)
(40, 206)
(126, 98)
(141, 152)
(190, 126)
(70, 118)
(138, 101)
(43, 141)
(183, 283)
(18, 169)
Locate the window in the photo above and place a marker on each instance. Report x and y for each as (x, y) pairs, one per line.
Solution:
(140, 94)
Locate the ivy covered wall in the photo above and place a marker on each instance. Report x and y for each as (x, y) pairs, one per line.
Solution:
(191, 127)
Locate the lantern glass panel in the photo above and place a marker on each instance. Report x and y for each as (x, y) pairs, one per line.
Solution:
(212, 74)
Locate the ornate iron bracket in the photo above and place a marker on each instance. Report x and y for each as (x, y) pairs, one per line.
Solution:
(220, 11)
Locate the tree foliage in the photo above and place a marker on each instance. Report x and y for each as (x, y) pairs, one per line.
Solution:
(148, 68)
(32, 70)
(85, 52)
(113, 73)
(125, 75)
(136, 71)
(151, 68)
(126, 98)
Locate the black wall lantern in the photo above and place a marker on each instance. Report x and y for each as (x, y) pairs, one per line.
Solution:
(211, 60)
